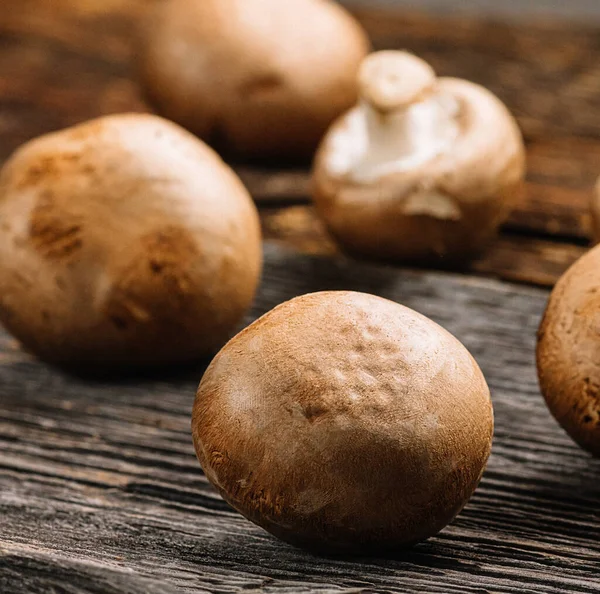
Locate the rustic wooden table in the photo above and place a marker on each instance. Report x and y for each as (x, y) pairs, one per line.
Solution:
(100, 491)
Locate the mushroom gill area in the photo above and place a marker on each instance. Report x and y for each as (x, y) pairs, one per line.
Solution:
(401, 122)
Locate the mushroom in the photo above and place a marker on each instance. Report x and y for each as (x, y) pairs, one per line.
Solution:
(596, 211)
(568, 352)
(342, 421)
(422, 169)
(257, 79)
(124, 241)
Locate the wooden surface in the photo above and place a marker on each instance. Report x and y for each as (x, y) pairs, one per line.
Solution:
(100, 491)
(577, 10)
(103, 475)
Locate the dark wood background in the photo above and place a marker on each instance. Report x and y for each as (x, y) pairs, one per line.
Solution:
(100, 491)
(575, 10)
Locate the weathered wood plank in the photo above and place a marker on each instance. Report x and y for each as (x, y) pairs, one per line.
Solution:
(560, 180)
(102, 473)
(23, 569)
(548, 73)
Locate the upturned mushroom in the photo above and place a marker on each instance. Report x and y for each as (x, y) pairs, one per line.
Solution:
(257, 79)
(422, 169)
(344, 422)
(568, 352)
(124, 241)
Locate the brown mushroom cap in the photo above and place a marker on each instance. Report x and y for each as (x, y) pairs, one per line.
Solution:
(568, 352)
(124, 240)
(256, 78)
(344, 421)
(426, 173)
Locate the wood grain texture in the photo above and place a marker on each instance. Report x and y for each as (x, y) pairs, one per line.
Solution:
(100, 488)
(579, 10)
(64, 61)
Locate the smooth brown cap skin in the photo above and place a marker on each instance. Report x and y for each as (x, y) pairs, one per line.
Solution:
(344, 422)
(568, 352)
(480, 176)
(124, 241)
(257, 79)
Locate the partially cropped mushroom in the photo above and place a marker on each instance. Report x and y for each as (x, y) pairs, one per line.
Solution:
(342, 421)
(422, 169)
(596, 211)
(124, 241)
(568, 352)
(257, 79)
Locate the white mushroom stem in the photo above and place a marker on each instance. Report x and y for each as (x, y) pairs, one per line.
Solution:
(401, 122)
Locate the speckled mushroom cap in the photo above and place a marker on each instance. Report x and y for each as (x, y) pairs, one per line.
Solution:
(568, 352)
(344, 421)
(257, 79)
(124, 241)
(422, 169)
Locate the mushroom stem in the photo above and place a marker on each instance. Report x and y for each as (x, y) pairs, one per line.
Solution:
(407, 120)
(392, 80)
